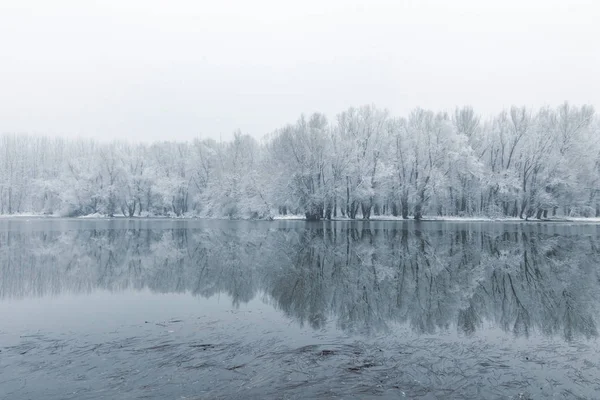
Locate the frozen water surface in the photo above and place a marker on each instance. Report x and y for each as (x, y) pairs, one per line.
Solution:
(188, 309)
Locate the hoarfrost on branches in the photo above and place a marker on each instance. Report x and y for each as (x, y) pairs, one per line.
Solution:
(364, 163)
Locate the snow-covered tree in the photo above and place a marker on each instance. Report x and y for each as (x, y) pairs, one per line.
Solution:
(520, 163)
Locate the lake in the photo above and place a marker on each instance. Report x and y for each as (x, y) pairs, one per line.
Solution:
(199, 309)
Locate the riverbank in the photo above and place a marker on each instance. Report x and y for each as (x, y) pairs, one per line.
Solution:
(450, 219)
(595, 220)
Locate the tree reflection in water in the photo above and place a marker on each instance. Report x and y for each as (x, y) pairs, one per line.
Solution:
(364, 277)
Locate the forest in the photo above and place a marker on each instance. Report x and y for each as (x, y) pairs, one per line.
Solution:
(365, 162)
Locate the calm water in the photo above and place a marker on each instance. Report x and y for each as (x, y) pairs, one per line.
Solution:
(161, 309)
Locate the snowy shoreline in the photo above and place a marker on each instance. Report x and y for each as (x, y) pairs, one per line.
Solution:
(391, 218)
(382, 218)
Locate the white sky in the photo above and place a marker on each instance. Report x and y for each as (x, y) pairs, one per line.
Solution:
(175, 69)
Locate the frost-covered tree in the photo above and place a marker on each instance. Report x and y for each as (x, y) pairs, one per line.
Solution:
(360, 131)
(519, 163)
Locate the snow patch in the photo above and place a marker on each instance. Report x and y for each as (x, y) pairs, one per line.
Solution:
(289, 217)
(94, 215)
(25, 215)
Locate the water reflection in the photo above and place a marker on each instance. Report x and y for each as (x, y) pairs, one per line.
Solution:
(363, 277)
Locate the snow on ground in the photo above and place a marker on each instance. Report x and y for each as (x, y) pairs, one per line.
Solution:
(575, 219)
(483, 218)
(451, 218)
(296, 217)
(289, 216)
(488, 219)
(94, 216)
(443, 218)
(24, 215)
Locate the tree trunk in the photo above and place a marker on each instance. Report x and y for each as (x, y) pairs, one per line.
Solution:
(394, 209)
(132, 209)
(419, 205)
(366, 209)
(539, 213)
(404, 203)
(377, 209)
(348, 197)
(353, 209)
(328, 211)
(405, 210)
(335, 207)
(418, 211)
(522, 210)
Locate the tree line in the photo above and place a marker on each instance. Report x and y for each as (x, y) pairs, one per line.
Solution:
(519, 163)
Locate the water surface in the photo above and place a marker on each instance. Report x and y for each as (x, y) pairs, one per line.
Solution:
(191, 309)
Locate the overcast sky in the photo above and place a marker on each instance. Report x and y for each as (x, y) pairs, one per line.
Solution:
(157, 70)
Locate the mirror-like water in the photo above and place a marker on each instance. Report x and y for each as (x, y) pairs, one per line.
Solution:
(219, 309)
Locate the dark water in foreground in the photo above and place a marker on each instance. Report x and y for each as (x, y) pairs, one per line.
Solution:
(291, 310)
